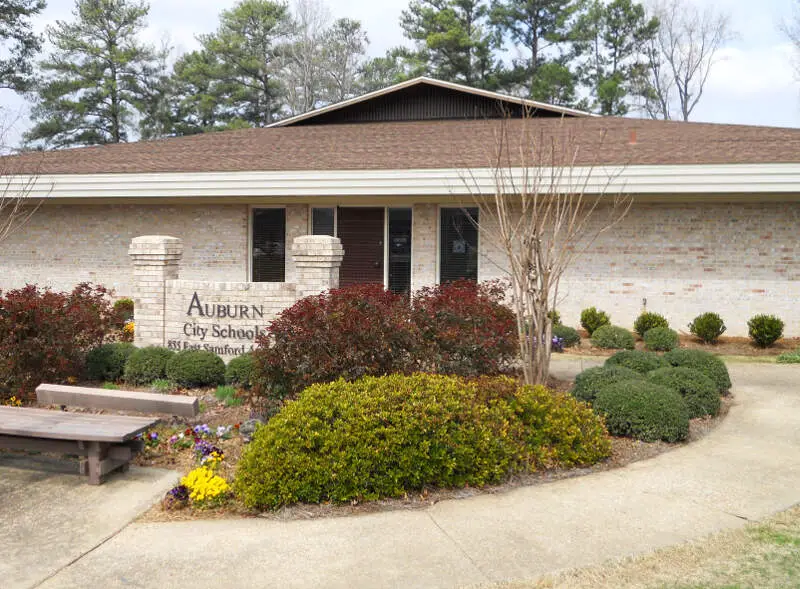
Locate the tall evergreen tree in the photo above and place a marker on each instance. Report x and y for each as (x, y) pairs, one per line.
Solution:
(343, 49)
(541, 28)
(99, 79)
(610, 43)
(18, 43)
(249, 49)
(453, 39)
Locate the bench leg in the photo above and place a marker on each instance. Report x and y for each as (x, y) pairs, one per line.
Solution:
(98, 452)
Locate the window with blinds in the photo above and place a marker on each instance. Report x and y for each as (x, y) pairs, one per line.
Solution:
(323, 221)
(269, 245)
(458, 244)
(399, 251)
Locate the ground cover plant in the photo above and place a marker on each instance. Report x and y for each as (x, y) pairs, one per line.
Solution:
(790, 357)
(46, 335)
(385, 436)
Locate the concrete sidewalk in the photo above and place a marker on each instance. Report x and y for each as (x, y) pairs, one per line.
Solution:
(747, 469)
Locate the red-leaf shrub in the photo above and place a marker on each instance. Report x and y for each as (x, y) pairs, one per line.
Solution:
(459, 328)
(45, 335)
(349, 332)
(467, 329)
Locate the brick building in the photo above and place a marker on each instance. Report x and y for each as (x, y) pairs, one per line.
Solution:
(714, 223)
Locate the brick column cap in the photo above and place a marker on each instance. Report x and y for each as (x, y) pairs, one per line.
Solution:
(156, 245)
(317, 248)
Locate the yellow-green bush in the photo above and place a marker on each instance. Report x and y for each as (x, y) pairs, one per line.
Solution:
(385, 436)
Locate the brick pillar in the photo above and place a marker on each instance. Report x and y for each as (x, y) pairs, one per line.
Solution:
(317, 259)
(156, 259)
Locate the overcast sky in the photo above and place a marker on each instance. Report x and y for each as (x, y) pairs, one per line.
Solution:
(753, 83)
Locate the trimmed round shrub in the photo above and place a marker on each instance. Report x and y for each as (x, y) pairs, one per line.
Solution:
(196, 368)
(589, 382)
(698, 391)
(611, 337)
(708, 327)
(147, 364)
(661, 339)
(568, 335)
(641, 362)
(239, 371)
(704, 362)
(107, 362)
(592, 319)
(387, 436)
(765, 330)
(647, 321)
(643, 410)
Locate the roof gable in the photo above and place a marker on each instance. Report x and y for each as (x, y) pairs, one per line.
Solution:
(426, 99)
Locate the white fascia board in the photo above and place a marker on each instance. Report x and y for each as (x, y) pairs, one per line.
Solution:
(684, 179)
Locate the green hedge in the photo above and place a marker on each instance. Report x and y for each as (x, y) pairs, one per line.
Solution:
(641, 362)
(147, 364)
(704, 362)
(239, 371)
(611, 337)
(643, 410)
(698, 391)
(661, 339)
(107, 362)
(589, 382)
(386, 436)
(196, 368)
(570, 336)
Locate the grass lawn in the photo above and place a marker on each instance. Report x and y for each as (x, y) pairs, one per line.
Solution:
(764, 555)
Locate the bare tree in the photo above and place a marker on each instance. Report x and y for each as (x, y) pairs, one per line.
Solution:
(543, 208)
(17, 204)
(343, 53)
(304, 68)
(681, 56)
(791, 28)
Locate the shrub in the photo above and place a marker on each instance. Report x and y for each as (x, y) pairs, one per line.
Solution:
(464, 329)
(123, 311)
(196, 368)
(239, 371)
(381, 437)
(457, 328)
(611, 337)
(661, 339)
(555, 318)
(704, 362)
(708, 327)
(789, 357)
(568, 335)
(641, 362)
(765, 330)
(592, 319)
(45, 335)
(589, 382)
(647, 321)
(643, 410)
(147, 365)
(107, 362)
(698, 391)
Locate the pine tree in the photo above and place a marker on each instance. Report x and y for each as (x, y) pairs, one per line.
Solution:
(99, 79)
(18, 43)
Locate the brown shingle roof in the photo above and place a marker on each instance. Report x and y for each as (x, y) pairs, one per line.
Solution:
(423, 145)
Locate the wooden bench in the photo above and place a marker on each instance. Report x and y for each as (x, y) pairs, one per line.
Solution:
(105, 442)
(117, 400)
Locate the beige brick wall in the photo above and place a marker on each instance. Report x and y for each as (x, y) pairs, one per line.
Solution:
(737, 259)
(424, 241)
(62, 245)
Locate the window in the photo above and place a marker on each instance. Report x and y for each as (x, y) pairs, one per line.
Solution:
(323, 221)
(269, 245)
(399, 250)
(458, 244)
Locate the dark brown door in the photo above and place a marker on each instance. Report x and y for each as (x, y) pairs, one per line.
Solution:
(361, 232)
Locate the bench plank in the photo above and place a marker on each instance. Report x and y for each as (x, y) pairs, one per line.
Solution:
(60, 425)
(117, 400)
